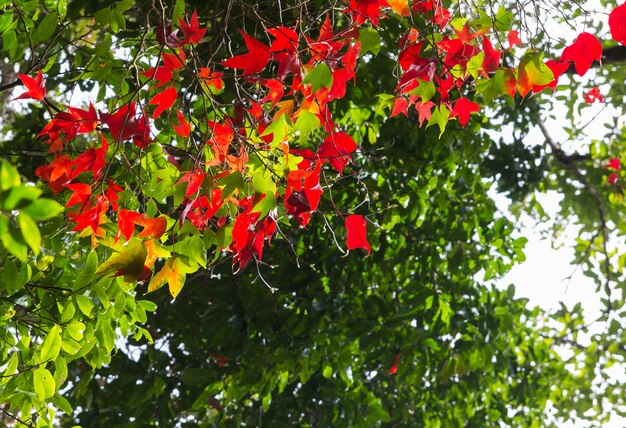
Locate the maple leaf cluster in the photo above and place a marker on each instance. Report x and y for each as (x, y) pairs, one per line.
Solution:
(250, 164)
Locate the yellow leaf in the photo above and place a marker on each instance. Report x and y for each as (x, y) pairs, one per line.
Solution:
(155, 251)
(400, 7)
(129, 261)
(173, 273)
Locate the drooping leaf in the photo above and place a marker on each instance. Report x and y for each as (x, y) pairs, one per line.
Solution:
(356, 228)
(583, 52)
(463, 108)
(163, 101)
(617, 24)
(183, 129)
(128, 262)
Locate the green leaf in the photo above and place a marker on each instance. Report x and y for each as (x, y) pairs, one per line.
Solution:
(262, 181)
(439, 117)
(370, 40)
(12, 239)
(68, 312)
(9, 177)
(179, 10)
(76, 330)
(62, 9)
(30, 232)
(46, 28)
(51, 345)
(43, 209)
(43, 383)
(116, 21)
(84, 304)
(319, 76)
(194, 248)
(327, 372)
(426, 90)
(19, 197)
(306, 123)
(62, 403)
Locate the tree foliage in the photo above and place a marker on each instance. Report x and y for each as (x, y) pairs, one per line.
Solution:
(311, 181)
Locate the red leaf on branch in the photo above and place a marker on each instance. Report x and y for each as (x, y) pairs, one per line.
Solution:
(463, 108)
(593, 95)
(617, 24)
(401, 105)
(80, 194)
(286, 40)
(424, 110)
(213, 79)
(124, 125)
(357, 233)
(276, 91)
(583, 52)
(161, 75)
(194, 180)
(614, 163)
(163, 101)
(126, 223)
(183, 129)
(367, 10)
(612, 178)
(336, 150)
(513, 38)
(491, 60)
(254, 61)
(394, 367)
(154, 227)
(192, 31)
(36, 87)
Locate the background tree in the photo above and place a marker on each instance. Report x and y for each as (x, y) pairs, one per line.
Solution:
(218, 144)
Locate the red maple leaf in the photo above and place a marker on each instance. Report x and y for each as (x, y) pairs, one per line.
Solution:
(491, 60)
(160, 74)
(183, 129)
(583, 52)
(617, 24)
(194, 180)
(463, 108)
(276, 91)
(614, 163)
(213, 79)
(192, 31)
(367, 10)
(356, 228)
(163, 101)
(401, 105)
(126, 223)
(593, 95)
(513, 38)
(124, 125)
(336, 150)
(252, 62)
(424, 110)
(154, 227)
(80, 194)
(36, 87)
(286, 39)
